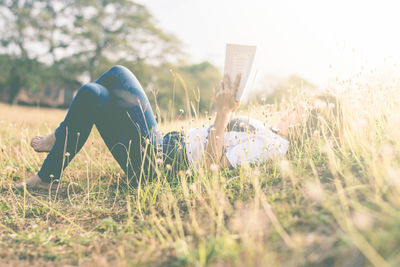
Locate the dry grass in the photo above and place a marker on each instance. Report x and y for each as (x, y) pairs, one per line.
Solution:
(328, 204)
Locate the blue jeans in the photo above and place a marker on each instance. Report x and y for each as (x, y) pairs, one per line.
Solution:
(118, 106)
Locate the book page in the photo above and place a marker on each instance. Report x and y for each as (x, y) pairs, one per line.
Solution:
(239, 59)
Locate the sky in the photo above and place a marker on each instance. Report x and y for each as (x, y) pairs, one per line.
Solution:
(316, 39)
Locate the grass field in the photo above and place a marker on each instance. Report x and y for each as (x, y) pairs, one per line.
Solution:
(331, 202)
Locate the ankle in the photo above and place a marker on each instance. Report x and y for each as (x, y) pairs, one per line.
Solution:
(42, 181)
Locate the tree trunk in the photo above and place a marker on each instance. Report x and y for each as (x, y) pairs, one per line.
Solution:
(15, 87)
(92, 62)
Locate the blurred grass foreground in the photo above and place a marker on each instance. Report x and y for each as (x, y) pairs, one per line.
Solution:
(333, 201)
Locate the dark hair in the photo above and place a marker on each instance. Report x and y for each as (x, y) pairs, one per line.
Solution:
(240, 124)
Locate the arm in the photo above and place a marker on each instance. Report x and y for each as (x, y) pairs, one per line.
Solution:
(226, 104)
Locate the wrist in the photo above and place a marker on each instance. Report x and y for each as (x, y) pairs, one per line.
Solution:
(221, 120)
(223, 114)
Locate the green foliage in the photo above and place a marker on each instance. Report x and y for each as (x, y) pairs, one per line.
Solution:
(190, 88)
(119, 29)
(5, 67)
(53, 44)
(33, 35)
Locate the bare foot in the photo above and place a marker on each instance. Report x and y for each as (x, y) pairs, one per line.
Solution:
(34, 183)
(43, 144)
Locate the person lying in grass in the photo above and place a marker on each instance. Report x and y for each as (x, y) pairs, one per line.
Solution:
(117, 105)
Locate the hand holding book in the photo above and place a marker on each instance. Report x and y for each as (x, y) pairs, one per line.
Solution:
(238, 60)
(226, 101)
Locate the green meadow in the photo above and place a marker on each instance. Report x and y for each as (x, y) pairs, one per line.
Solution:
(334, 200)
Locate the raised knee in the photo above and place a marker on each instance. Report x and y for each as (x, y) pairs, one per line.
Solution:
(89, 88)
(93, 94)
(117, 69)
(93, 90)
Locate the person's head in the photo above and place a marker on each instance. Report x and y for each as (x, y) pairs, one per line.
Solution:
(241, 124)
(314, 115)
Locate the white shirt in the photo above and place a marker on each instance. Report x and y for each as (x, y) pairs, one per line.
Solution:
(240, 147)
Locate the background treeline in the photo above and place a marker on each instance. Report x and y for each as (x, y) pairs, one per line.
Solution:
(48, 48)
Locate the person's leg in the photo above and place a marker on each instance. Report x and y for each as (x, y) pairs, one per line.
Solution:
(73, 132)
(123, 116)
(127, 94)
(135, 125)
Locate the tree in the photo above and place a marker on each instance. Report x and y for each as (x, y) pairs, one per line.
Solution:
(32, 34)
(111, 30)
(77, 37)
(54, 43)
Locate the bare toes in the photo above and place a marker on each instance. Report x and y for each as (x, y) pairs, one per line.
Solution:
(35, 143)
(36, 139)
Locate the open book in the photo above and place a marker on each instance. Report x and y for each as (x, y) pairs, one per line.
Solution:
(239, 59)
